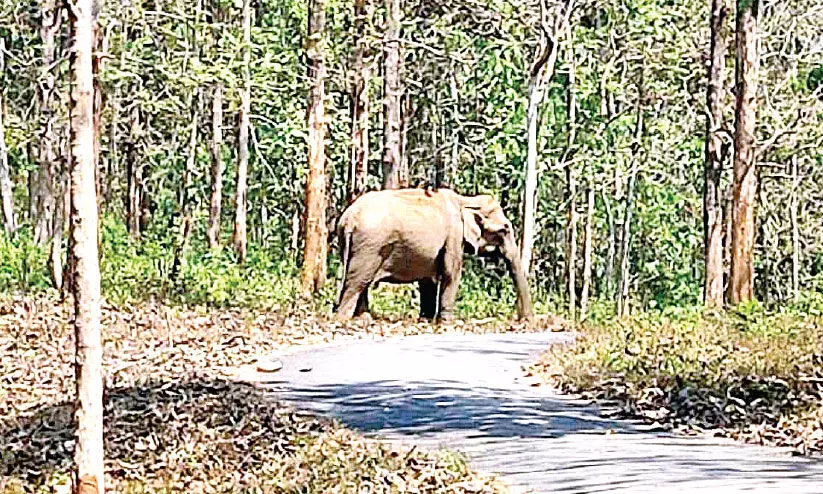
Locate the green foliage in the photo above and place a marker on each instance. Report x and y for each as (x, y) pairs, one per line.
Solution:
(688, 368)
(23, 264)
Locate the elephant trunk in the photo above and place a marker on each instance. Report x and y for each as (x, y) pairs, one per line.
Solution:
(521, 284)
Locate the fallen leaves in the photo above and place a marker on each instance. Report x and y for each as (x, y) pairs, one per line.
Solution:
(178, 420)
(693, 376)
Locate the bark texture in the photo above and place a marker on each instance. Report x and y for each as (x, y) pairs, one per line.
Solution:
(240, 235)
(393, 176)
(46, 195)
(744, 188)
(88, 454)
(712, 193)
(540, 74)
(6, 191)
(313, 275)
(216, 195)
(359, 159)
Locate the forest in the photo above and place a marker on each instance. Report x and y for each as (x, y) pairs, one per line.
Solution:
(660, 162)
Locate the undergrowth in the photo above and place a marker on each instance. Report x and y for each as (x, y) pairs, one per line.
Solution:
(750, 373)
(136, 271)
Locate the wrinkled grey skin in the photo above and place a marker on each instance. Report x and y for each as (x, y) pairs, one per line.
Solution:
(415, 235)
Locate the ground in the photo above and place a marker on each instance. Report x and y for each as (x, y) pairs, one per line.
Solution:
(176, 417)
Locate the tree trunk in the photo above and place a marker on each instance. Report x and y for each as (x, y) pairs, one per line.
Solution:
(313, 275)
(359, 158)
(625, 237)
(588, 243)
(608, 275)
(744, 188)
(239, 237)
(100, 48)
(216, 196)
(540, 74)
(186, 199)
(795, 231)
(133, 174)
(6, 189)
(393, 95)
(712, 193)
(88, 453)
(571, 183)
(47, 157)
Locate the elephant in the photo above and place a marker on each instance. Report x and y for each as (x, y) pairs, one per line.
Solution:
(420, 235)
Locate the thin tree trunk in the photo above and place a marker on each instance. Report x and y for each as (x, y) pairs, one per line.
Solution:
(313, 275)
(588, 243)
(47, 157)
(133, 175)
(239, 237)
(100, 48)
(359, 159)
(625, 237)
(6, 190)
(88, 453)
(608, 276)
(712, 193)
(186, 196)
(571, 182)
(625, 266)
(393, 95)
(540, 74)
(216, 196)
(744, 189)
(795, 231)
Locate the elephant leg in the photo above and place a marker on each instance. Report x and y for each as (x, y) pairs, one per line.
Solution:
(354, 298)
(428, 298)
(362, 303)
(448, 296)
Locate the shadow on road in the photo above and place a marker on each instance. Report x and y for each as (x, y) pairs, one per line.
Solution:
(442, 406)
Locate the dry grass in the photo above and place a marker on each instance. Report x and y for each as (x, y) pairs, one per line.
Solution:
(756, 377)
(176, 421)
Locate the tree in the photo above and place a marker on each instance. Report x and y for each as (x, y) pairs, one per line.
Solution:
(313, 275)
(216, 195)
(715, 157)
(6, 192)
(239, 238)
(359, 155)
(393, 170)
(744, 186)
(540, 74)
(571, 186)
(88, 454)
(46, 192)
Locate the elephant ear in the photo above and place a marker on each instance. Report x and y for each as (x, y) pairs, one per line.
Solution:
(472, 227)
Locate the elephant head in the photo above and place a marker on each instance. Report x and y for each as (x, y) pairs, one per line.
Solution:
(487, 232)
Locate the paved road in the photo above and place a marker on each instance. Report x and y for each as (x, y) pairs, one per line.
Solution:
(465, 392)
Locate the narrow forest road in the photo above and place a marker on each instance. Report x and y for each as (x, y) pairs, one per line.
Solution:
(467, 393)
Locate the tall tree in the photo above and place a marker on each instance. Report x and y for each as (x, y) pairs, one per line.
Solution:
(216, 194)
(626, 232)
(393, 172)
(239, 238)
(540, 74)
(46, 195)
(313, 275)
(571, 186)
(134, 173)
(588, 245)
(744, 186)
(359, 155)
(6, 191)
(713, 167)
(88, 454)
